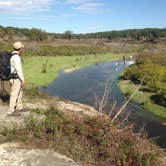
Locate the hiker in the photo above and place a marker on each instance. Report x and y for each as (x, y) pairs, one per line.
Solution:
(124, 59)
(17, 82)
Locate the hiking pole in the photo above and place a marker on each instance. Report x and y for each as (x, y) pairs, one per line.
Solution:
(3, 85)
(2, 88)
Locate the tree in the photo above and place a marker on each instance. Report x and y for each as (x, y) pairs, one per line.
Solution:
(68, 34)
(2, 32)
(37, 35)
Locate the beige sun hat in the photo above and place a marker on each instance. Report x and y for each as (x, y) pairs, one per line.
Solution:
(18, 45)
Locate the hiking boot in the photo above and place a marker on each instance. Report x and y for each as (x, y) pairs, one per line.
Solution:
(22, 110)
(14, 114)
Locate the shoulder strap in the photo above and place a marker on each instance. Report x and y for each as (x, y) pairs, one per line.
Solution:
(13, 53)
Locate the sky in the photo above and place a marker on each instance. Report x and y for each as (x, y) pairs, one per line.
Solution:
(83, 16)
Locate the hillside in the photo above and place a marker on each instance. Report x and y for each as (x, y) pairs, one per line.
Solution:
(52, 125)
(75, 130)
(34, 34)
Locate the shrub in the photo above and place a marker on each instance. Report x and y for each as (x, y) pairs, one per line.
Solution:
(153, 73)
(160, 96)
(151, 58)
(44, 67)
(67, 50)
(153, 68)
(89, 140)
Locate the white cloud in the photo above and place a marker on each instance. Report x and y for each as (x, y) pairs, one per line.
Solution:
(38, 18)
(90, 7)
(45, 9)
(77, 1)
(20, 6)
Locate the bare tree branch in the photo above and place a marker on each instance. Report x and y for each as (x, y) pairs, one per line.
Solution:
(129, 99)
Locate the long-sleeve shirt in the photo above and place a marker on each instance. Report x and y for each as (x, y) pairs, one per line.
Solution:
(16, 66)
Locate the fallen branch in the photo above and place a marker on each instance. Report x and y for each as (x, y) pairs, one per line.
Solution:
(129, 99)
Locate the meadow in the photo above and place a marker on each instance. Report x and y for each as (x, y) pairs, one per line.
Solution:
(41, 70)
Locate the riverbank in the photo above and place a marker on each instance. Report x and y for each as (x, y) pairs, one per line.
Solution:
(76, 131)
(143, 98)
(41, 70)
(73, 130)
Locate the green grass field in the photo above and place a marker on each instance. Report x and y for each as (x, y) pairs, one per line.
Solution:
(143, 98)
(42, 70)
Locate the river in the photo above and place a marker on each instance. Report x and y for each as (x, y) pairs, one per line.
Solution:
(87, 85)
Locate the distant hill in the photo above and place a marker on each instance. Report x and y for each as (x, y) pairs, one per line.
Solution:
(34, 34)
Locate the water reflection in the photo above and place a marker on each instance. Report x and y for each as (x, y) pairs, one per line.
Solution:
(85, 84)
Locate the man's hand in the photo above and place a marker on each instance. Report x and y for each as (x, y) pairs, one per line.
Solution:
(23, 84)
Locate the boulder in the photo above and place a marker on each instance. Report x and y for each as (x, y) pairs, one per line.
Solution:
(13, 155)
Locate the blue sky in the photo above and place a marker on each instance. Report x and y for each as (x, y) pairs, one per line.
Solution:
(82, 16)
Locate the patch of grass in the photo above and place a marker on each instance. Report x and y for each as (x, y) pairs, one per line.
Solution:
(38, 74)
(143, 98)
(90, 141)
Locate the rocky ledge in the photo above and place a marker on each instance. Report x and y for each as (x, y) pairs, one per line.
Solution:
(11, 154)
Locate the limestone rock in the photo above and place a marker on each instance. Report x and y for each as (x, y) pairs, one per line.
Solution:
(10, 121)
(13, 155)
(37, 105)
(76, 107)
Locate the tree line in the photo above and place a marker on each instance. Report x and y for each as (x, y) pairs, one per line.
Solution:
(34, 34)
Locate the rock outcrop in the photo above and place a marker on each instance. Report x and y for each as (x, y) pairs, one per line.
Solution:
(9, 121)
(12, 155)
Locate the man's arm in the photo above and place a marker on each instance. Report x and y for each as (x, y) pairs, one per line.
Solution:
(18, 67)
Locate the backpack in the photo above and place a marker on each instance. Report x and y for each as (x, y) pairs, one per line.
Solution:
(5, 67)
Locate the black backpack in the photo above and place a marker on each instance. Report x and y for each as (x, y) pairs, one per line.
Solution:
(5, 68)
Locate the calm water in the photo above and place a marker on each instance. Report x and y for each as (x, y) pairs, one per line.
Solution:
(88, 84)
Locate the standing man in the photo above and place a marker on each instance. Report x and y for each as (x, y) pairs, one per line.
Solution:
(17, 81)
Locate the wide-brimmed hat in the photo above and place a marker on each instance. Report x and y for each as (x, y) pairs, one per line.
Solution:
(18, 45)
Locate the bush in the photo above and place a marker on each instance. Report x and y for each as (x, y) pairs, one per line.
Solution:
(153, 68)
(91, 141)
(65, 50)
(153, 73)
(160, 96)
(151, 58)
(132, 73)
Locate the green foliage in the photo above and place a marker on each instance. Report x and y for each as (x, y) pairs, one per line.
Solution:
(67, 50)
(160, 96)
(153, 74)
(37, 35)
(44, 67)
(68, 34)
(5, 47)
(146, 159)
(10, 133)
(147, 34)
(153, 68)
(144, 98)
(132, 73)
(151, 58)
(128, 92)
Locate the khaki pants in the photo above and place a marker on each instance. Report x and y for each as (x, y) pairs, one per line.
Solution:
(15, 96)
